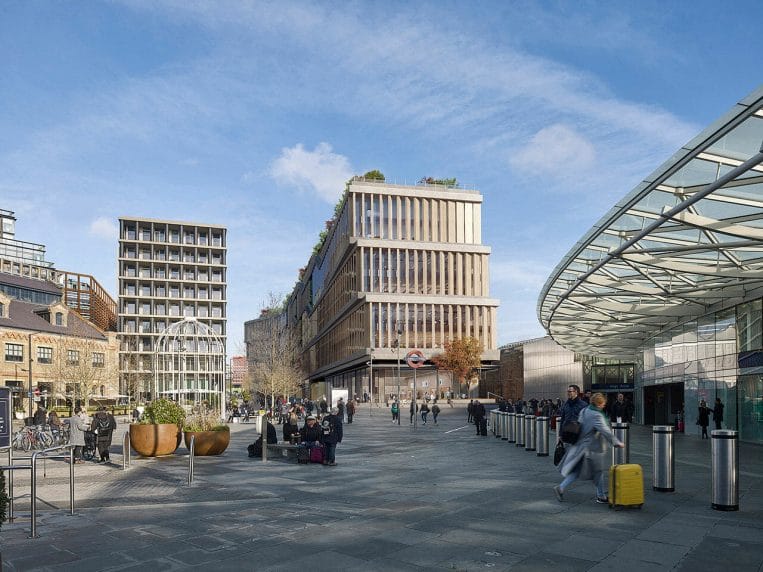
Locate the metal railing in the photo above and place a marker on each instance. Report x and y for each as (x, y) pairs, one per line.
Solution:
(191, 455)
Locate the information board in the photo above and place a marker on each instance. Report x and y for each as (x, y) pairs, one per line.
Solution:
(5, 417)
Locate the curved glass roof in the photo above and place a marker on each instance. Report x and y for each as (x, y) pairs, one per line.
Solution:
(686, 241)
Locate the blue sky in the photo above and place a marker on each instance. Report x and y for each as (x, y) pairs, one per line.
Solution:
(252, 114)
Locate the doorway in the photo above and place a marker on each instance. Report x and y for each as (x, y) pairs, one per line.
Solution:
(663, 403)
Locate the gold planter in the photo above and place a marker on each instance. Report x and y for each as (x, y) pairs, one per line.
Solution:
(154, 440)
(207, 442)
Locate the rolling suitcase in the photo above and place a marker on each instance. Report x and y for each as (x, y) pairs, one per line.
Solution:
(626, 486)
(316, 454)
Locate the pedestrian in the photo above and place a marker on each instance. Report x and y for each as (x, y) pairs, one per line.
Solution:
(619, 412)
(395, 411)
(414, 409)
(331, 426)
(39, 416)
(54, 421)
(587, 396)
(435, 412)
(77, 429)
(570, 410)
(478, 413)
(350, 410)
(291, 430)
(135, 415)
(470, 412)
(587, 457)
(703, 417)
(340, 405)
(323, 406)
(311, 433)
(255, 449)
(103, 426)
(424, 412)
(718, 413)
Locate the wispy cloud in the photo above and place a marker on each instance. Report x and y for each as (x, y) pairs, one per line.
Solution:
(320, 171)
(103, 227)
(555, 150)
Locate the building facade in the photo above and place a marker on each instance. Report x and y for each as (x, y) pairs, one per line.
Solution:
(239, 372)
(671, 278)
(400, 268)
(170, 271)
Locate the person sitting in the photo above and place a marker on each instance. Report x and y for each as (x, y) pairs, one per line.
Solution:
(291, 430)
(255, 449)
(311, 433)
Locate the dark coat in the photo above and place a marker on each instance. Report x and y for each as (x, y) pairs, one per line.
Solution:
(289, 430)
(335, 423)
(703, 416)
(311, 434)
(104, 435)
(718, 411)
(571, 409)
(620, 409)
(478, 411)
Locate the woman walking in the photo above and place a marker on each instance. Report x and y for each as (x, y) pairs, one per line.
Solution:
(703, 417)
(586, 459)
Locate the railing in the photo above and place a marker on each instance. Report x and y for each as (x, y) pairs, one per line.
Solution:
(191, 455)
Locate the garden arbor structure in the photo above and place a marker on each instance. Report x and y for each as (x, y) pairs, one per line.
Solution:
(189, 365)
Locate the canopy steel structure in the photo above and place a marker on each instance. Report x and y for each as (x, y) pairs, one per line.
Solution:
(189, 364)
(686, 241)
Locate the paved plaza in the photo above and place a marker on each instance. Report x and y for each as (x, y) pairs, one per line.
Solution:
(433, 498)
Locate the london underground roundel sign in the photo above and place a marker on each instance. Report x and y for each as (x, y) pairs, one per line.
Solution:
(415, 358)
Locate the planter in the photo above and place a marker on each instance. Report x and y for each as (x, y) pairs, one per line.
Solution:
(154, 440)
(207, 442)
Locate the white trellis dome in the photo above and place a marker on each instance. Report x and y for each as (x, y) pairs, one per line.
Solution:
(189, 364)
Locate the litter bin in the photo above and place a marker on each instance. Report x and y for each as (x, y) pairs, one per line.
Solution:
(511, 421)
(621, 456)
(520, 436)
(725, 462)
(541, 434)
(663, 468)
(504, 426)
(530, 435)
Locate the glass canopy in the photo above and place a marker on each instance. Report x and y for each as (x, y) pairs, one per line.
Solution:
(686, 241)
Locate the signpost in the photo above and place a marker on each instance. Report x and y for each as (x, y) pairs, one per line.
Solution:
(415, 359)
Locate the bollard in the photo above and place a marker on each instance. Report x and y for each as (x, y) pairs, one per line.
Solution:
(621, 456)
(520, 425)
(558, 420)
(541, 434)
(725, 463)
(492, 420)
(664, 461)
(511, 421)
(530, 436)
(504, 426)
(499, 424)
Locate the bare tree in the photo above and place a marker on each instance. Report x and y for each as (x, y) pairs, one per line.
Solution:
(136, 371)
(86, 368)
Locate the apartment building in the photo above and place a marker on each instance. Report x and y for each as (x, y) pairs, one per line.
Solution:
(171, 271)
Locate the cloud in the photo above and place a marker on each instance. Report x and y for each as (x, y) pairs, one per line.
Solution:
(104, 227)
(555, 150)
(320, 171)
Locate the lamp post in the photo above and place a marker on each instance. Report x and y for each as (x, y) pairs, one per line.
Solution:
(397, 345)
(29, 371)
(370, 364)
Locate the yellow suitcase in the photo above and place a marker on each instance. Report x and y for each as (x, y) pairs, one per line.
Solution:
(626, 486)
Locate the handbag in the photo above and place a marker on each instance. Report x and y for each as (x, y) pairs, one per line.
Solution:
(558, 453)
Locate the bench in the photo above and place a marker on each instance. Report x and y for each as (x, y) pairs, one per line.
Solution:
(286, 449)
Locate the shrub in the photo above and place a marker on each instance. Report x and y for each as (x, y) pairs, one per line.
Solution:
(204, 419)
(163, 411)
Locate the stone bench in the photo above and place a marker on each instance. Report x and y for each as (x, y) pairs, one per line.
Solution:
(285, 449)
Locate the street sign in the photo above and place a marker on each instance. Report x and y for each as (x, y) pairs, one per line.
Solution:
(415, 359)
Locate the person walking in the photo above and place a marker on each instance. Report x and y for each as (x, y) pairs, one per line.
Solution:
(414, 409)
(340, 405)
(703, 417)
(332, 435)
(478, 413)
(570, 410)
(620, 410)
(587, 457)
(350, 410)
(103, 425)
(718, 413)
(424, 412)
(435, 412)
(77, 427)
(470, 412)
(395, 409)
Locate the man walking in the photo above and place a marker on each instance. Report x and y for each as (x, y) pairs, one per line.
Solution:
(571, 409)
(350, 410)
(103, 426)
(331, 426)
(478, 412)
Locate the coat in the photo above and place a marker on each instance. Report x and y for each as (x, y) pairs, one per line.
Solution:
(77, 429)
(703, 416)
(592, 444)
(336, 429)
(104, 436)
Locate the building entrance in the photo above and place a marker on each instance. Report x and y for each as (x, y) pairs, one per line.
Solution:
(663, 403)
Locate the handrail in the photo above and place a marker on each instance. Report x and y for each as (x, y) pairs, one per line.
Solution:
(44, 454)
(126, 445)
(192, 451)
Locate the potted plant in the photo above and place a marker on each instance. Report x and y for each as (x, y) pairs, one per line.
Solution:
(212, 436)
(158, 431)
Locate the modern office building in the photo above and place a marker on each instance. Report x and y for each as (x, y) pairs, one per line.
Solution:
(171, 272)
(672, 278)
(399, 268)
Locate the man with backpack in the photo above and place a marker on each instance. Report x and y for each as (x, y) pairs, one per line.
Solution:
(103, 426)
(331, 426)
(395, 411)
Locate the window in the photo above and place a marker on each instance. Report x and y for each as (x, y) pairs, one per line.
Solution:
(99, 359)
(14, 352)
(2, 310)
(72, 357)
(44, 355)
(59, 319)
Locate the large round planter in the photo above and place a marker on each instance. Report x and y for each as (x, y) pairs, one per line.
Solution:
(154, 440)
(207, 442)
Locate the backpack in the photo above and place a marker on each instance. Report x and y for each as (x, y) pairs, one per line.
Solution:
(395, 408)
(327, 427)
(570, 432)
(104, 425)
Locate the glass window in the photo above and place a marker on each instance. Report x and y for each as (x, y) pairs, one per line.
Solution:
(98, 359)
(14, 352)
(59, 319)
(44, 355)
(72, 357)
(749, 326)
(2, 310)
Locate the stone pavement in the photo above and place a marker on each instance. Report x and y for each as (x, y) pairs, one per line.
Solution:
(433, 498)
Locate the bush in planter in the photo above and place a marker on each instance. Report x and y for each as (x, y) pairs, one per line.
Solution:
(212, 436)
(163, 411)
(158, 432)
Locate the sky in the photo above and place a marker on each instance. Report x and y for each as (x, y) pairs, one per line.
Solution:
(252, 115)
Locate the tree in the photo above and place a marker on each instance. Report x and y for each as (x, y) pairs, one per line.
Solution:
(86, 368)
(374, 175)
(461, 357)
(136, 371)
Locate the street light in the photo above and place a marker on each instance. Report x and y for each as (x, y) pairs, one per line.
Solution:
(370, 364)
(31, 394)
(397, 345)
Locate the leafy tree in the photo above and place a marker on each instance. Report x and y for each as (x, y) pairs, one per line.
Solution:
(374, 175)
(461, 356)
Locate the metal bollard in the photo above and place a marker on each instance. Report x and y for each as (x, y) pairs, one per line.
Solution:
(511, 421)
(541, 430)
(505, 426)
(520, 425)
(725, 462)
(558, 424)
(664, 461)
(530, 435)
(498, 424)
(492, 420)
(621, 456)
